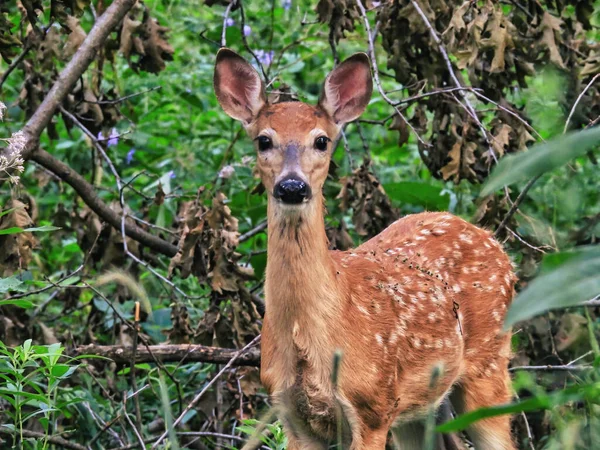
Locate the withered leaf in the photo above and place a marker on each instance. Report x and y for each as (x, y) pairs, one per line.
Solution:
(550, 25)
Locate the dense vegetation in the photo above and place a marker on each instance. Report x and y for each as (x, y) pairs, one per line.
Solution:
(130, 215)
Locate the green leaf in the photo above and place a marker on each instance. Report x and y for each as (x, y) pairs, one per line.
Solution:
(540, 402)
(419, 194)
(573, 282)
(16, 230)
(9, 284)
(540, 158)
(25, 304)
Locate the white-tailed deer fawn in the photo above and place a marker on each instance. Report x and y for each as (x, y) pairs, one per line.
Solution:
(429, 291)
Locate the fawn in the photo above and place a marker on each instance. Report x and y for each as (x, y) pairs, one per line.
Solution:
(429, 291)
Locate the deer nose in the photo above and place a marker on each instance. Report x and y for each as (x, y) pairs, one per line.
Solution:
(292, 191)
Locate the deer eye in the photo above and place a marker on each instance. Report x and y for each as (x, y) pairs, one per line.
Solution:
(321, 143)
(264, 143)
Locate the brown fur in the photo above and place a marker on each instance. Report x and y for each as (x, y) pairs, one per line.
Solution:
(429, 291)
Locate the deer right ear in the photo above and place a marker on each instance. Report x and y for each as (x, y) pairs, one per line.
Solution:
(238, 86)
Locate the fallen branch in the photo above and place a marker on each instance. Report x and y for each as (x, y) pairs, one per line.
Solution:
(52, 439)
(171, 353)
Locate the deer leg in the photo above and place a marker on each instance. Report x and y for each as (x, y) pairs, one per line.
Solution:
(372, 440)
(478, 391)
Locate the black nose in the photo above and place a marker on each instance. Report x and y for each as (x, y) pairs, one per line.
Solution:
(291, 191)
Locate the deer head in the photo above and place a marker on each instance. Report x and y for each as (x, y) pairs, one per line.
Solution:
(294, 140)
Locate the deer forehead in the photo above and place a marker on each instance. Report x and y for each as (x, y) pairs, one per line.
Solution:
(294, 121)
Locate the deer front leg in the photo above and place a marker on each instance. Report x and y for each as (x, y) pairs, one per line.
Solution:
(372, 440)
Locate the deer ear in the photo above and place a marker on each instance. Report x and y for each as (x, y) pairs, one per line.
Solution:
(238, 87)
(347, 89)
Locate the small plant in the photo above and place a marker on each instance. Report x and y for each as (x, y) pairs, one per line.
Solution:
(275, 438)
(30, 376)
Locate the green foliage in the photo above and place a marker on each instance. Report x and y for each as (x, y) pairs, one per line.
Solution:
(31, 375)
(541, 158)
(175, 151)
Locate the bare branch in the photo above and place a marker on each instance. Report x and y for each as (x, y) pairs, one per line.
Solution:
(376, 72)
(88, 194)
(56, 440)
(578, 100)
(169, 353)
(73, 71)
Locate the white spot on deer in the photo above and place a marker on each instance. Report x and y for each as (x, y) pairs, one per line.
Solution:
(379, 339)
(363, 310)
(503, 290)
(487, 245)
(393, 337)
(507, 279)
(456, 288)
(425, 232)
(431, 317)
(421, 295)
(448, 343)
(493, 278)
(439, 343)
(416, 342)
(420, 238)
(438, 232)
(496, 315)
(466, 237)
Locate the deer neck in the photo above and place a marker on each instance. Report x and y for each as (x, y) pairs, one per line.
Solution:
(301, 286)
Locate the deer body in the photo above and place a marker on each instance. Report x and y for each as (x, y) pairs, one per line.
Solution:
(429, 291)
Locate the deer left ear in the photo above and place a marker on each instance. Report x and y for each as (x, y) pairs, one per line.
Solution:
(347, 89)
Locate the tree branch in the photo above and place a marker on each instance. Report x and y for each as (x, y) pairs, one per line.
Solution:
(71, 73)
(171, 353)
(88, 194)
(56, 440)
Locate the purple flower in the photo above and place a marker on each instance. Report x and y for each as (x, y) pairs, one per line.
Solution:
(376, 4)
(265, 58)
(171, 174)
(287, 4)
(129, 157)
(229, 22)
(100, 136)
(247, 30)
(113, 139)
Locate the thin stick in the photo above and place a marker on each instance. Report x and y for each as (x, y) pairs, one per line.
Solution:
(515, 205)
(201, 393)
(578, 100)
(376, 72)
(225, 19)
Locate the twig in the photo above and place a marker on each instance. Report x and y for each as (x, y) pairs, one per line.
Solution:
(515, 205)
(569, 366)
(376, 72)
(593, 302)
(225, 19)
(16, 62)
(131, 424)
(88, 194)
(253, 232)
(549, 368)
(429, 94)
(523, 241)
(208, 385)
(467, 104)
(122, 99)
(578, 100)
(245, 41)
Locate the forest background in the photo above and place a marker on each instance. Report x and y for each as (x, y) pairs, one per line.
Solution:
(132, 225)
